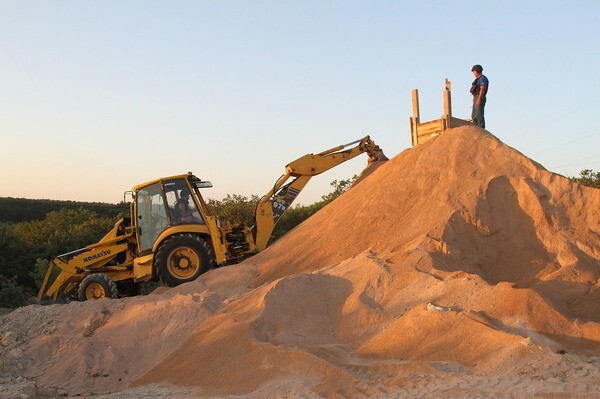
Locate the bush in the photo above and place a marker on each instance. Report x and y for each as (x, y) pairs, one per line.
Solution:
(294, 216)
(588, 177)
(234, 208)
(39, 272)
(11, 293)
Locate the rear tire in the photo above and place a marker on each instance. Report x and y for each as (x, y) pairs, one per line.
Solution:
(183, 258)
(96, 286)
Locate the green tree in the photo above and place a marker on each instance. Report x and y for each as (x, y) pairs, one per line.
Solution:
(63, 231)
(588, 177)
(32, 243)
(339, 187)
(238, 208)
(12, 294)
(39, 272)
(13, 251)
(294, 216)
(17, 210)
(234, 208)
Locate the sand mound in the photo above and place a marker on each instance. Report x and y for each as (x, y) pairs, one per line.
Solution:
(458, 268)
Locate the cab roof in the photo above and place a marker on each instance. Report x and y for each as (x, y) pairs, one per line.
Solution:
(188, 176)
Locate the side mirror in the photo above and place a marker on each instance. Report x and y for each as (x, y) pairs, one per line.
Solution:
(203, 184)
(127, 193)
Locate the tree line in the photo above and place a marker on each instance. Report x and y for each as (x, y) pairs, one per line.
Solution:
(17, 210)
(33, 231)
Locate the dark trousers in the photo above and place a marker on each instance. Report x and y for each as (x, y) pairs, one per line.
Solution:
(477, 113)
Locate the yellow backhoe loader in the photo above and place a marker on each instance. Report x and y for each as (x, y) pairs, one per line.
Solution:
(172, 237)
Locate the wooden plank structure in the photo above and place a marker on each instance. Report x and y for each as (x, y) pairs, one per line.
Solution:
(421, 132)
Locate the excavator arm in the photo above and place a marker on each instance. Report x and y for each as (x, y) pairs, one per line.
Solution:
(277, 201)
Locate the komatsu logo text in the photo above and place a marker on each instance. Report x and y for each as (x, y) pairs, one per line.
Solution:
(96, 256)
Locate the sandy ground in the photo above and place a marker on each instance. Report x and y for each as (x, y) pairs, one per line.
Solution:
(458, 269)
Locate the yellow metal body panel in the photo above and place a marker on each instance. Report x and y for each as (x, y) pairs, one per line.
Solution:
(181, 228)
(312, 165)
(217, 240)
(269, 212)
(143, 267)
(148, 183)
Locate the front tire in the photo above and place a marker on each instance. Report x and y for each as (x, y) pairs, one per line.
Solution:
(183, 258)
(96, 286)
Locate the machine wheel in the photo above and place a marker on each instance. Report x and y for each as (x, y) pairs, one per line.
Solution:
(96, 286)
(182, 258)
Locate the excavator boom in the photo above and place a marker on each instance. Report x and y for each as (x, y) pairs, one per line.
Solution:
(277, 201)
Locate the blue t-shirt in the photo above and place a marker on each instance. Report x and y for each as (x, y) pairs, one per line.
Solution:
(483, 81)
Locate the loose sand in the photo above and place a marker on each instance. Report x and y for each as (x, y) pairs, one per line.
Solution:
(460, 268)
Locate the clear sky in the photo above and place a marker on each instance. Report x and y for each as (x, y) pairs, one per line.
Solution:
(98, 96)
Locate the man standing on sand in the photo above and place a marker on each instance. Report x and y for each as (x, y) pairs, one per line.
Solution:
(479, 89)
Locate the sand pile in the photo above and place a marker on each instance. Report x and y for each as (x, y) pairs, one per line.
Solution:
(458, 268)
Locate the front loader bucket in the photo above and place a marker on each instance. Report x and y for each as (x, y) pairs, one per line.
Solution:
(46, 278)
(65, 276)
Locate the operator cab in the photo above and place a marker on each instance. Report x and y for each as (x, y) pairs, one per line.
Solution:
(165, 203)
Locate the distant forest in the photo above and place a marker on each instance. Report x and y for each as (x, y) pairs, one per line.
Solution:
(18, 210)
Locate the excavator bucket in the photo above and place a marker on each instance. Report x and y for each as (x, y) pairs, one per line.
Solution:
(63, 283)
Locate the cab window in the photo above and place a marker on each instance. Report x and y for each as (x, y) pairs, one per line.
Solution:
(151, 214)
(182, 208)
